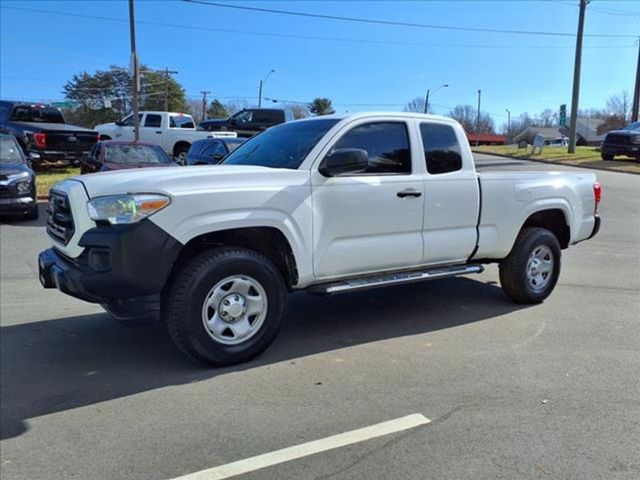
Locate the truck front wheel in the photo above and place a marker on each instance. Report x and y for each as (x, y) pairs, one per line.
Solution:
(531, 270)
(225, 306)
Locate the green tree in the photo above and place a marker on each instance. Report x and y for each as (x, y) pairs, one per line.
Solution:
(321, 106)
(217, 110)
(106, 95)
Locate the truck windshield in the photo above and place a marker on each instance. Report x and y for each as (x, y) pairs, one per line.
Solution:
(36, 113)
(282, 146)
(9, 150)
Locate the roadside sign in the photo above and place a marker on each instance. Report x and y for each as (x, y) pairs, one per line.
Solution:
(563, 115)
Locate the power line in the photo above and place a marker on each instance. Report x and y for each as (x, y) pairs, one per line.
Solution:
(400, 24)
(311, 37)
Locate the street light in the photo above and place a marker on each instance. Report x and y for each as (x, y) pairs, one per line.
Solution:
(426, 100)
(260, 91)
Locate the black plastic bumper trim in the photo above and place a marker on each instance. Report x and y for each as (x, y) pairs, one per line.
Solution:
(140, 257)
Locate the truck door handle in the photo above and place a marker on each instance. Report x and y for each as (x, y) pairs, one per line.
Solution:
(158, 131)
(409, 193)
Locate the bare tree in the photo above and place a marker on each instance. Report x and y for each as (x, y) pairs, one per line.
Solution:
(620, 105)
(546, 118)
(298, 110)
(236, 105)
(467, 116)
(415, 105)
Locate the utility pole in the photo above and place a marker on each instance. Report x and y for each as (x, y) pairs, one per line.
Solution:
(167, 72)
(575, 96)
(204, 104)
(426, 103)
(426, 100)
(478, 119)
(508, 123)
(135, 73)
(636, 91)
(260, 90)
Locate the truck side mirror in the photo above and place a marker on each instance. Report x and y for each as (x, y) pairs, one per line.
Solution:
(344, 161)
(119, 123)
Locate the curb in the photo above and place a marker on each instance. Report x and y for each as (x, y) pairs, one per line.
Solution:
(550, 162)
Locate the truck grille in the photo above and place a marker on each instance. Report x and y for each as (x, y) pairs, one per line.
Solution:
(60, 219)
(5, 192)
(619, 139)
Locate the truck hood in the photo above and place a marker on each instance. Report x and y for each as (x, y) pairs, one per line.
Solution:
(51, 127)
(625, 132)
(181, 180)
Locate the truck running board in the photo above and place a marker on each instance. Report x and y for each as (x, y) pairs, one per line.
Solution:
(396, 278)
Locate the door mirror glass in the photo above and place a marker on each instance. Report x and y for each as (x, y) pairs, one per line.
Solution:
(344, 161)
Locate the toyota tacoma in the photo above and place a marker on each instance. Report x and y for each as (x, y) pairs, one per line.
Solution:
(327, 204)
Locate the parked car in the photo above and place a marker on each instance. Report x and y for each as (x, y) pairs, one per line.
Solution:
(174, 132)
(249, 121)
(211, 151)
(17, 180)
(558, 142)
(114, 155)
(625, 142)
(42, 129)
(327, 204)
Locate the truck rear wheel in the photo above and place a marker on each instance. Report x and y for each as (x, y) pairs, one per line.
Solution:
(531, 270)
(607, 156)
(225, 306)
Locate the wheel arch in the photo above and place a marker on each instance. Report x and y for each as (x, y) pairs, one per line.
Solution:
(553, 219)
(179, 145)
(268, 241)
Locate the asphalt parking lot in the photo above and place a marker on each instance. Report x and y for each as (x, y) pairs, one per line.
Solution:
(529, 392)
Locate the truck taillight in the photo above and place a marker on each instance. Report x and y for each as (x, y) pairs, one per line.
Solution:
(597, 194)
(40, 139)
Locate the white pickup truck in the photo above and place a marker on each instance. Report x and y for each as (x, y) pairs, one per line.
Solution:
(174, 132)
(328, 204)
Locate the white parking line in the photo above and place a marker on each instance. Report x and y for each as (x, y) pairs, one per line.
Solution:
(310, 448)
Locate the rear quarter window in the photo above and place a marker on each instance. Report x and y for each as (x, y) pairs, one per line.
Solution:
(442, 152)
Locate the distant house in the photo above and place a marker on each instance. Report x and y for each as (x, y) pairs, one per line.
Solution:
(485, 139)
(586, 132)
(549, 133)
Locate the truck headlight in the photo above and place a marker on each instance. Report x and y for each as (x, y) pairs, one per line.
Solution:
(130, 208)
(23, 187)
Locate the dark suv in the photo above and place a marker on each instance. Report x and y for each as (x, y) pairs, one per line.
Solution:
(622, 142)
(249, 121)
(41, 129)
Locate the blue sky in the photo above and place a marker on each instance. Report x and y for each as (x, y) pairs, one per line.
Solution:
(380, 67)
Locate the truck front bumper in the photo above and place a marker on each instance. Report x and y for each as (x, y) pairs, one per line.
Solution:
(16, 204)
(119, 262)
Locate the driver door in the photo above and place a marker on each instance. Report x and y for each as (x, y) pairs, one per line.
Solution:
(125, 131)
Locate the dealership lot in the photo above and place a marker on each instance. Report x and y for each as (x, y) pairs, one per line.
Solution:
(548, 391)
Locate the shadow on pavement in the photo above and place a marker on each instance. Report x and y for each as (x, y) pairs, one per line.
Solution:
(56, 365)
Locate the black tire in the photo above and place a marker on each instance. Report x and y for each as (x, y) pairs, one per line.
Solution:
(180, 154)
(32, 213)
(514, 268)
(606, 156)
(183, 304)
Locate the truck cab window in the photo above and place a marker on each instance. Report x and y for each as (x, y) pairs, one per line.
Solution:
(441, 148)
(386, 143)
(128, 121)
(181, 121)
(153, 120)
